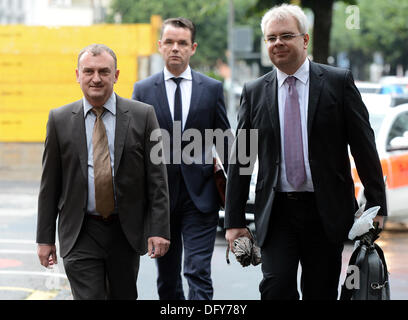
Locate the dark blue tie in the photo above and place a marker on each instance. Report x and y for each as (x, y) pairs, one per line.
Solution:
(178, 113)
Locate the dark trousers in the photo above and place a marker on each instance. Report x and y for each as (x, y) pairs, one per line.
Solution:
(196, 232)
(102, 264)
(296, 234)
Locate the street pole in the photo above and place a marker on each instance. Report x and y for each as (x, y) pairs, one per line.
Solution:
(231, 96)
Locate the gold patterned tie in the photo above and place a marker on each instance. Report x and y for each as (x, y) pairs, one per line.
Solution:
(104, 199)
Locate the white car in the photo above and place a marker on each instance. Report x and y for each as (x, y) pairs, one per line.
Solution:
(376, 93)
(401, 82)
(368, 87)
(391, 132)
(250, 207)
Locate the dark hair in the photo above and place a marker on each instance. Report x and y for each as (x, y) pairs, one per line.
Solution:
(180, 22)
(96, 49)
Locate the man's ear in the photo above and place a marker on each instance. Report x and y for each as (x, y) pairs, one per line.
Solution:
(306, 40)
(194, 47)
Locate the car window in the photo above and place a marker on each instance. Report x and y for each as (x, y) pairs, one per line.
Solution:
(398, 99)
(399, 126)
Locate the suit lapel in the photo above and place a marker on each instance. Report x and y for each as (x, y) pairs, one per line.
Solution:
(271, 94)
(315, 87)
(79, 135)
(163, 104)
(196, 91)
(122, 124)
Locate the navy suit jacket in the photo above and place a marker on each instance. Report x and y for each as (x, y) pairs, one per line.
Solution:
(207, 111)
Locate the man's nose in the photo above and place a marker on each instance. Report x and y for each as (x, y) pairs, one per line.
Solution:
(96, 77)
(175, 47)
(278, 41)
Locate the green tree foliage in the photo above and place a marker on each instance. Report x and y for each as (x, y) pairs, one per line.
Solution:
(210, 18)
(383, 29)
(322, 13)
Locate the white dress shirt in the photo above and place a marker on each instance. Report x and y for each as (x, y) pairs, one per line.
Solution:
(302, 86)
(186, 86)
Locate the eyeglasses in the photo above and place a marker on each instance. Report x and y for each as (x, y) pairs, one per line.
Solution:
(284, 37)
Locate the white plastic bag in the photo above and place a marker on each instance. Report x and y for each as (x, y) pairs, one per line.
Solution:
(363, 222)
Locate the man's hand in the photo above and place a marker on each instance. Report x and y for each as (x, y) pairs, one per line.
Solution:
(157, 246)
(47, 253)
(235, 233)
(380, 220)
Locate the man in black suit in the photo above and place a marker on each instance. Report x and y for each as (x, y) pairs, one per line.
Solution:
(187, 101)
(111, 200)
(307, 116)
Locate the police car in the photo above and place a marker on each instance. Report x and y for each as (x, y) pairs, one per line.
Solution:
(390, 127)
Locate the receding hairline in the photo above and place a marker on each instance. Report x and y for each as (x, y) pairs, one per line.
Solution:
(96, 50)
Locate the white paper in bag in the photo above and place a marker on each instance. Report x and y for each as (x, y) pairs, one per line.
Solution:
(363, 221)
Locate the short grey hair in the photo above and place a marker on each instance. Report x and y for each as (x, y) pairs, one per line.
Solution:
(284, 11)
(96, 49)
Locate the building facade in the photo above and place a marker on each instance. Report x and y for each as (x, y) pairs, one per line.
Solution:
(53, 12)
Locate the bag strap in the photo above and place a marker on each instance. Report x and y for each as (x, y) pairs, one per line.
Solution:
(347, 293)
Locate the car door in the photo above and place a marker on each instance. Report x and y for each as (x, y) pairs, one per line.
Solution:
(397, 166)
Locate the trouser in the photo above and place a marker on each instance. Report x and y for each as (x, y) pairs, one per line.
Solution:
(102, 264)
(196, 232)
(296, 235)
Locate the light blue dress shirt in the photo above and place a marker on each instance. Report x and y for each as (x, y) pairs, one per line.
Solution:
(109, 120)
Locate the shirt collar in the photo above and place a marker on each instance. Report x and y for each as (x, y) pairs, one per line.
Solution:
(186, 74)
(302, 74)
(109, 105)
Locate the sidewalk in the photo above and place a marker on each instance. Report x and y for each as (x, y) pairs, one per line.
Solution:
(20, 161)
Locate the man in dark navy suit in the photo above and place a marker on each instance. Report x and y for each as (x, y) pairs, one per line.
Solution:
(187, 100)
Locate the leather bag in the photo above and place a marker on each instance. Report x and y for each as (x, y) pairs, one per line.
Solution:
(370, 262)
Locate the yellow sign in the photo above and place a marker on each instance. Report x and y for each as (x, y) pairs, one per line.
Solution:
(37, 67)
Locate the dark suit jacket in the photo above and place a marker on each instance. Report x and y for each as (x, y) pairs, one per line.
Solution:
(207, 111)
(337, 118)
(140, 187)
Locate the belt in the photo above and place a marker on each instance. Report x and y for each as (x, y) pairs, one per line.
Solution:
(110, 218)
(297, 196)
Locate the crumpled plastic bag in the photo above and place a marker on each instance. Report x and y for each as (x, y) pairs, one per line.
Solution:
(363, 222)
(246, 252)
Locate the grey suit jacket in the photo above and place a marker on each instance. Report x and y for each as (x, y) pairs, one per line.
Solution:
(142, 199)
(337, 119)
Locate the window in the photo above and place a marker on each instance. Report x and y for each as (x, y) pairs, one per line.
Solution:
(399, 126)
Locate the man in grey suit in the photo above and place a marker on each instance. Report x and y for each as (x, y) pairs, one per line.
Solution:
(111, 201)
